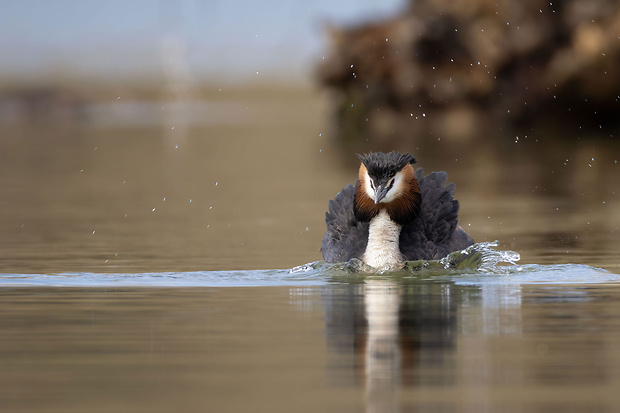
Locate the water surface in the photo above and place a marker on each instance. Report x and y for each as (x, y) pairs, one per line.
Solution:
(375, 345)
(241, 182)
(118, 231)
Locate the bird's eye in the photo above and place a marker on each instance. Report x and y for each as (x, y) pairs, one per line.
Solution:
(390, 183)
(372, 184)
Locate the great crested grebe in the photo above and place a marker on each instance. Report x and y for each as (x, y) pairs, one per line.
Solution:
(393, 214)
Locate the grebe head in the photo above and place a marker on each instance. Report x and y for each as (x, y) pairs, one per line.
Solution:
(384, 175)
(387, 180)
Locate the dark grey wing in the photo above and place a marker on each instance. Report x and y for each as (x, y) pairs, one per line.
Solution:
(460, 240)
(346, 237)
(434, 233)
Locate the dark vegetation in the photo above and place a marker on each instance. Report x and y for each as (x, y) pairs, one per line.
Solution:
(470, 69)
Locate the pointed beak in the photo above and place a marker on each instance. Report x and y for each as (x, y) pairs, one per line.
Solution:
(380, 193)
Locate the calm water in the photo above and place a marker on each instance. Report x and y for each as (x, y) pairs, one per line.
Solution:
(118, 232)
(374, 345)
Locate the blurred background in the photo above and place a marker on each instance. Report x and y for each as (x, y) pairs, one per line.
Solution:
(185, 135)
(144, 42)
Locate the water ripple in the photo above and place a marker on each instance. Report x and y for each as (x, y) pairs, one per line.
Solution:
(479, 264)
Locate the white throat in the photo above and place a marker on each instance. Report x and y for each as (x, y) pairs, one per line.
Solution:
(383, 251)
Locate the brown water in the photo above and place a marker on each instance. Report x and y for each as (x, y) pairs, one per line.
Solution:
(379, 346)
(144, 209)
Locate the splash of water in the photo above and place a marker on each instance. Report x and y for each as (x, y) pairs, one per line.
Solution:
(480, 258)
(479, 264)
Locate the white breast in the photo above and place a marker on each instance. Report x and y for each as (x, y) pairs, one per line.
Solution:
(382, 251)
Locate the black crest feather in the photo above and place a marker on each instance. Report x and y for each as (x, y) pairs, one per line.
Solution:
(383, 166)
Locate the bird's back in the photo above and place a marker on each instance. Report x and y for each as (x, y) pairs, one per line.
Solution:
(435, 232)
(432, 235)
